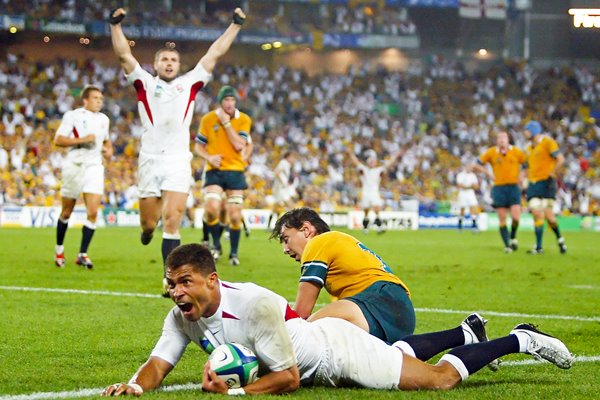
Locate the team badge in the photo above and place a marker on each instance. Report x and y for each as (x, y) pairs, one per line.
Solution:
(179, 88)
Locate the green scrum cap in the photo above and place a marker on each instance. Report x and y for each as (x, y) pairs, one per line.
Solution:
(226, 91)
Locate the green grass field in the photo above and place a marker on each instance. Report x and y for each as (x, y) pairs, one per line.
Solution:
(91, 334)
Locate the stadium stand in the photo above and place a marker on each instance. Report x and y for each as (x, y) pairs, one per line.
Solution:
(444, 116)
(442, 112)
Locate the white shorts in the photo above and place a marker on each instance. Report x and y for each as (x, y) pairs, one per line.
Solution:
(354, 357)
(281, 195)
(81, 178)
(164, 173)
(467, 199)
(370, 200)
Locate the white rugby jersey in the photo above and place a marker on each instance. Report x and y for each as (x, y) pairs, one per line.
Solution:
(466, 178)
(79, 123)
(370, 178)
(283, 170)
(166, 109)
(249, 315)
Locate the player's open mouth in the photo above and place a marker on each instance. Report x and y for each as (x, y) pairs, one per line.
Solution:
(185, 307)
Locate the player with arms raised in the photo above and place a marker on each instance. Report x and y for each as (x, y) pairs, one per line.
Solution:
(370, 177)
(166, 105)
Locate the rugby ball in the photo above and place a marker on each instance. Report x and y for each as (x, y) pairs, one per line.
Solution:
(235, 364)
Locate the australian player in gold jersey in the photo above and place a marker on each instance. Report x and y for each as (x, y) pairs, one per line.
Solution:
(369, 294)
(222, 139)
(505, 160)
(544, 159)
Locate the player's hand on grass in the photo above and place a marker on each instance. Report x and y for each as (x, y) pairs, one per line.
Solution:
(211, 382)
(119, 389)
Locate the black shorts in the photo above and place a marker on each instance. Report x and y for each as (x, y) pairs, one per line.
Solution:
(388, 310)
(545, 189)
(505, 196)
(227, 180)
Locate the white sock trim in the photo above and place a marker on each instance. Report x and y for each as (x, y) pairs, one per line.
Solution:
(64, 221)
(59, 249)
(405, 348)
(523, 339)
(175, 236)
(89, 224)
(458, 365)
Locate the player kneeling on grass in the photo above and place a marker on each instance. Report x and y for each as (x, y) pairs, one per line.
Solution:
(329, 352)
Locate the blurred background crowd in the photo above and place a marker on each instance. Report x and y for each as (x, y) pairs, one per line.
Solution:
(441, 113)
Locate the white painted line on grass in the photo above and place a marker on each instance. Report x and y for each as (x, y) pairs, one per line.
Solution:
(579, 359)
(423, 310)
(585, 287)
(507, 314)
(78, 291)
(197, 386)
(72, 394)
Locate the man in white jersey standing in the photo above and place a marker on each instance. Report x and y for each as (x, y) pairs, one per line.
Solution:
(166, 104)
(370, 177)
(329, 352)
(282, 189)
(467, 183)
(85, 132)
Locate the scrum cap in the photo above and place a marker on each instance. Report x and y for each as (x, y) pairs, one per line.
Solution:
(534, 127)
(226, 91)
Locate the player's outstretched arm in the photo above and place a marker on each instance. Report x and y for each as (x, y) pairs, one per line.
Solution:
(352, 156)
(223, 42)
(148, 377)
(392, 161)
(120, 42)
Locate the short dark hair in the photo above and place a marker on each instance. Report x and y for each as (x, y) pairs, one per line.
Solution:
(88, 89)
(295, 218)
(162, 50)
(195, 255)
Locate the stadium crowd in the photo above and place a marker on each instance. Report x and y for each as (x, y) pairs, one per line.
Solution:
(441, 114)
(268, 17)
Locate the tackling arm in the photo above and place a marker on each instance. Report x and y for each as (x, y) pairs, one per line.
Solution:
(306, 298)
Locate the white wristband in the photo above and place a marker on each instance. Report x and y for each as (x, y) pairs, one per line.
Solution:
(236, 392)
(136, 387)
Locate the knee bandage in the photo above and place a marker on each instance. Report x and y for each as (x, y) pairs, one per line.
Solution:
(536, 204)
(212, 196)
(235, 199)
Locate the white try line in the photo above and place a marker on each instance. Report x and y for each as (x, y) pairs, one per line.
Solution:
(423, 310)
(196, 386)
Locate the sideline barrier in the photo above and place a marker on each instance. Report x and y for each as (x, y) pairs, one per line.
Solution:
(40, 217)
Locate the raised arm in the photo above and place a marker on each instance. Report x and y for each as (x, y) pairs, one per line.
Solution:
(120, 42)
(223, 42)
(353, 157)
(389, 163)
